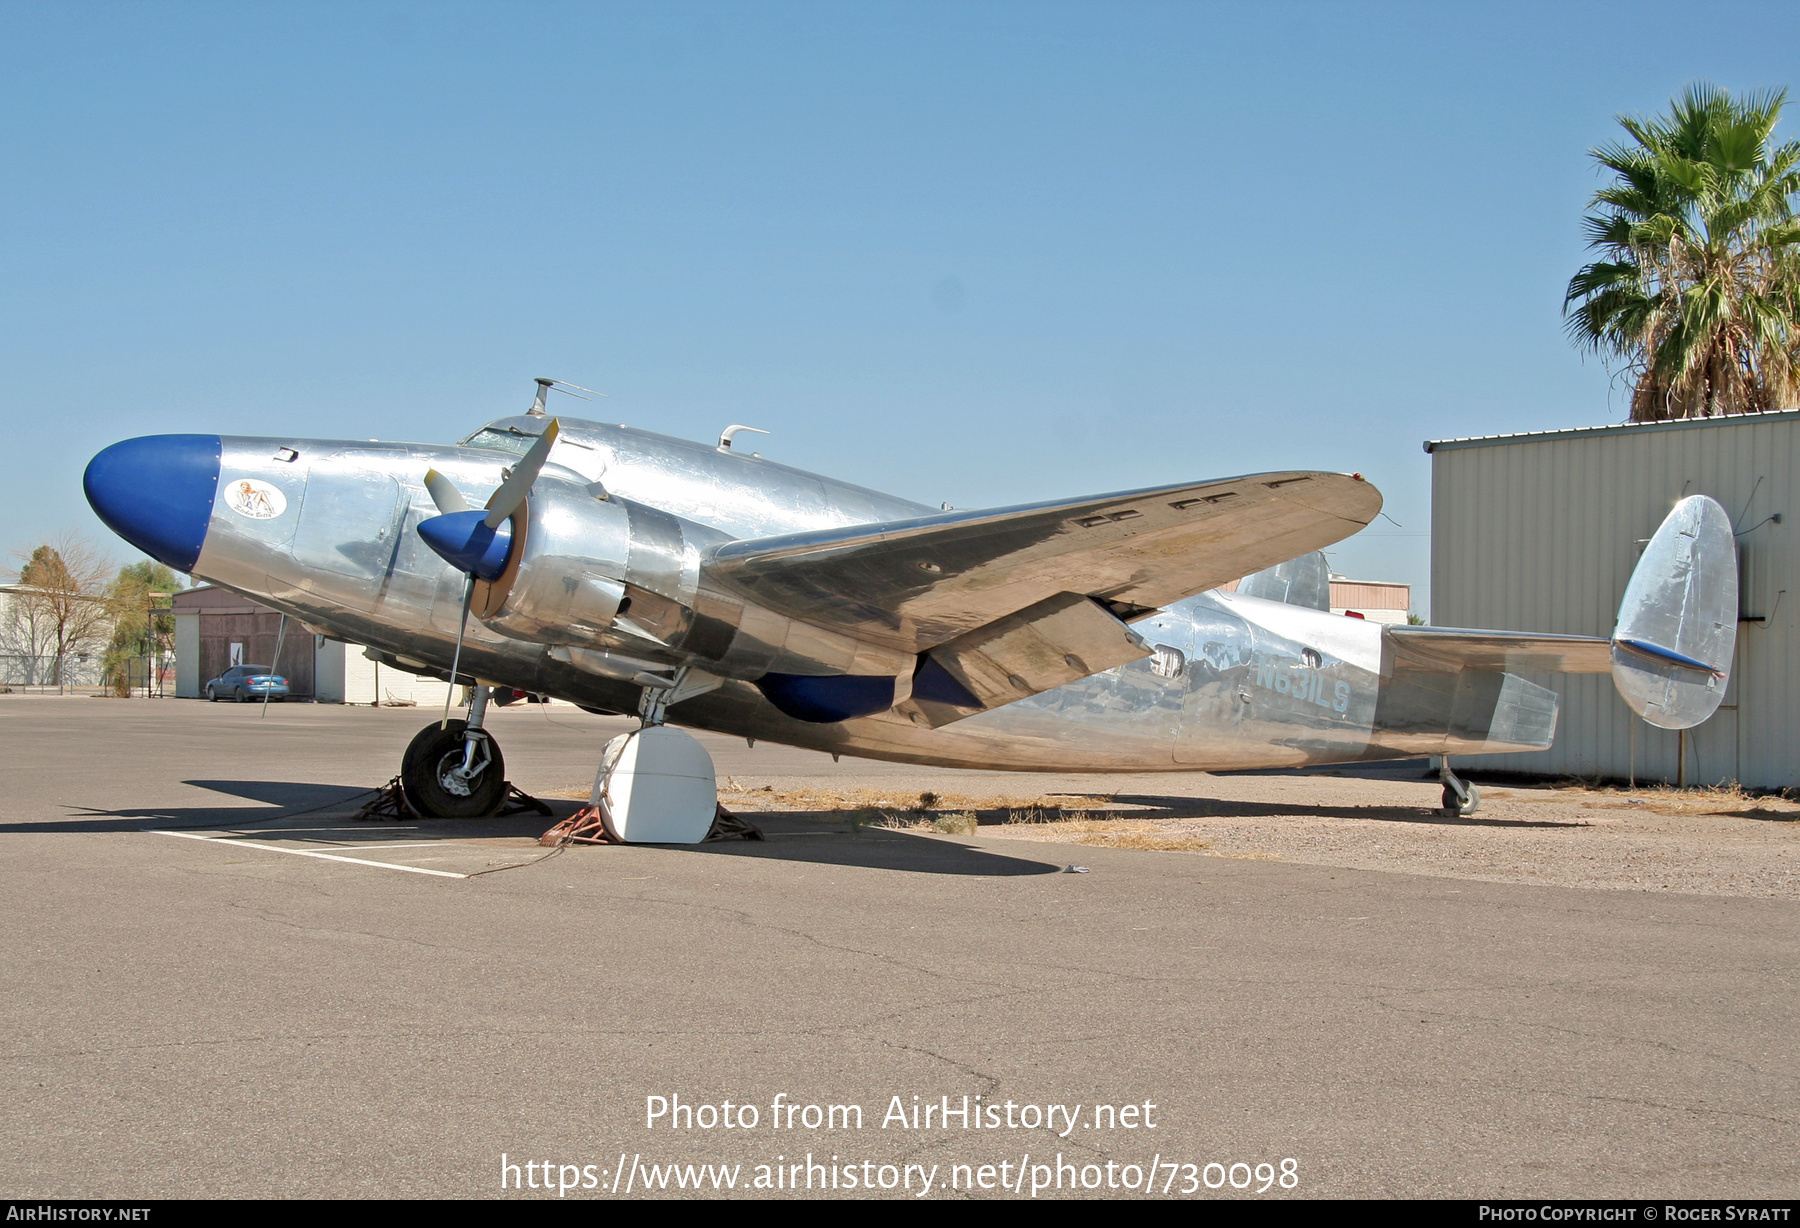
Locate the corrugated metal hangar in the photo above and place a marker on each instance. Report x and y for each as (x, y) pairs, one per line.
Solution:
(1540, 533)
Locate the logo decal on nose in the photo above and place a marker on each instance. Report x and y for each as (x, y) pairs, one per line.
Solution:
(254, 498)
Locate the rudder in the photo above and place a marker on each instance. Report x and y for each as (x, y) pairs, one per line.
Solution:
(1677, 627)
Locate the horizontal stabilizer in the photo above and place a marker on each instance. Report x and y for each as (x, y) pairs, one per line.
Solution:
(1677, 626)
(1670, 652)
(1516, 652)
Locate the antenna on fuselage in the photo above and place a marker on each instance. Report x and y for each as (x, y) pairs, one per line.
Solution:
(543, 392)
(731, 432)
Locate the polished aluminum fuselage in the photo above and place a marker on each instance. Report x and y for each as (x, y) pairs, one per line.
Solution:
(1235, 682)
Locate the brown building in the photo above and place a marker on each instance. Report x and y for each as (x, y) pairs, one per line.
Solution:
(216, 629)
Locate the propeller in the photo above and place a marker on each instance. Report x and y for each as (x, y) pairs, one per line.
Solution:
(478, 541)
(443, 492)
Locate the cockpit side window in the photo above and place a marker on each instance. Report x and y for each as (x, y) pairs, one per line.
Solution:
(515, 442)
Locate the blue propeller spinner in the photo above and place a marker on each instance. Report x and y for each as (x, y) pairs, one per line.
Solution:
(478, 541)
(465, 541)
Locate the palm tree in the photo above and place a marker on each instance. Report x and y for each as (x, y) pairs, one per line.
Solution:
(1698, 287)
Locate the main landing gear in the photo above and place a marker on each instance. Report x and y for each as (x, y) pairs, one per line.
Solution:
(655, 784)
(1460, 797)
(454, 769)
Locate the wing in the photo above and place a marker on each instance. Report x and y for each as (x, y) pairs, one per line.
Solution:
(914, 584)
(1519, 652)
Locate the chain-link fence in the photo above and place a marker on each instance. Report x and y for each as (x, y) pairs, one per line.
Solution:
(72, 672)
(151, 677)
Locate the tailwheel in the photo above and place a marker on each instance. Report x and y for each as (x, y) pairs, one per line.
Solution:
(448, 775)
(1462, 805)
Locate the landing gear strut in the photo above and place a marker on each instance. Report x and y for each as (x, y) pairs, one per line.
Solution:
(453, 769)
(1460, 797)
(655, 784)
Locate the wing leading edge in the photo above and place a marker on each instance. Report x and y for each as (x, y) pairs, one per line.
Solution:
(916, 584)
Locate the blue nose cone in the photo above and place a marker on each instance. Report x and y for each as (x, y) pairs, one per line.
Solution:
(157, 493)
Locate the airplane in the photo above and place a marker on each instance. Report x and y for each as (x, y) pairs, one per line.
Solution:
(700, 586)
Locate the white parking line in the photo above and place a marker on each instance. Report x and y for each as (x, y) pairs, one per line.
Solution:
(405, 844)
(272, 848)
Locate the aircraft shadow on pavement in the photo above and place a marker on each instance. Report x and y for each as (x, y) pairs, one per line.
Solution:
(281, 799)
(324, 813)
(1215, 808)
(825, 839)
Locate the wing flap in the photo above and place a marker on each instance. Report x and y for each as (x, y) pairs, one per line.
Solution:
(916, 584)
(1057, 641)
(1517, 652)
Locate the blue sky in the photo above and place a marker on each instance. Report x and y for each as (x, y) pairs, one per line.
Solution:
(975, 253)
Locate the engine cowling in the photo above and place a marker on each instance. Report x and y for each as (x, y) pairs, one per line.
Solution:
(571, 568)
(589, 571)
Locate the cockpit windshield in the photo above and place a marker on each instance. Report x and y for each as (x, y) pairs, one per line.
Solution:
(500, 439)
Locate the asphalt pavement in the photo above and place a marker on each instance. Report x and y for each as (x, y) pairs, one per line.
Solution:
(219, 984)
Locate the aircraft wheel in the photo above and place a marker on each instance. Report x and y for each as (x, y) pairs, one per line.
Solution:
(429, 775)
(1455, 805)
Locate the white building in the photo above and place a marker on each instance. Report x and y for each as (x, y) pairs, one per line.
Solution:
(365, 681)
(1540, 533)
(1380, 601)
(28, 643)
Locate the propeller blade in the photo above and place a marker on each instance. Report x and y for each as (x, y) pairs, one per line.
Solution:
(443, 492)
(512, 492)
(456, 661)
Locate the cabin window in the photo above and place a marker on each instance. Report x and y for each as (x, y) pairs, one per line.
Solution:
(1311, 657)
(1167, 662)
(516, 443)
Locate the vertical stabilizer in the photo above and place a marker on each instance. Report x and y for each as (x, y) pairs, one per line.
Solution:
(1305, 581)
(1677, 626)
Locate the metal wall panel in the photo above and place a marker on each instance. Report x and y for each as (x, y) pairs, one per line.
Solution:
(1370, 595)
(1540, 533)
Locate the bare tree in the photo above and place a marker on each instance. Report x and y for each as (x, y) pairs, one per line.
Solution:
(60, 605)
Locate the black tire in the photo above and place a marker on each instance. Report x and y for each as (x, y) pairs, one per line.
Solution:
(1455, 805)
(430, 754)
(211, 696)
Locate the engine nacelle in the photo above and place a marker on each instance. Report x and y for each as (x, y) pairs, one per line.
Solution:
(570, 572)
(623, 578)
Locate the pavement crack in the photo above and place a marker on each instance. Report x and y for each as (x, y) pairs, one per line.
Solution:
(991, 1081)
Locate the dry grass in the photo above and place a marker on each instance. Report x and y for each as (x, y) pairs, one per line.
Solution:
(770, 797)
(1721, 799)
(1104, 833)
(1167, 843)
(1060, 819)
